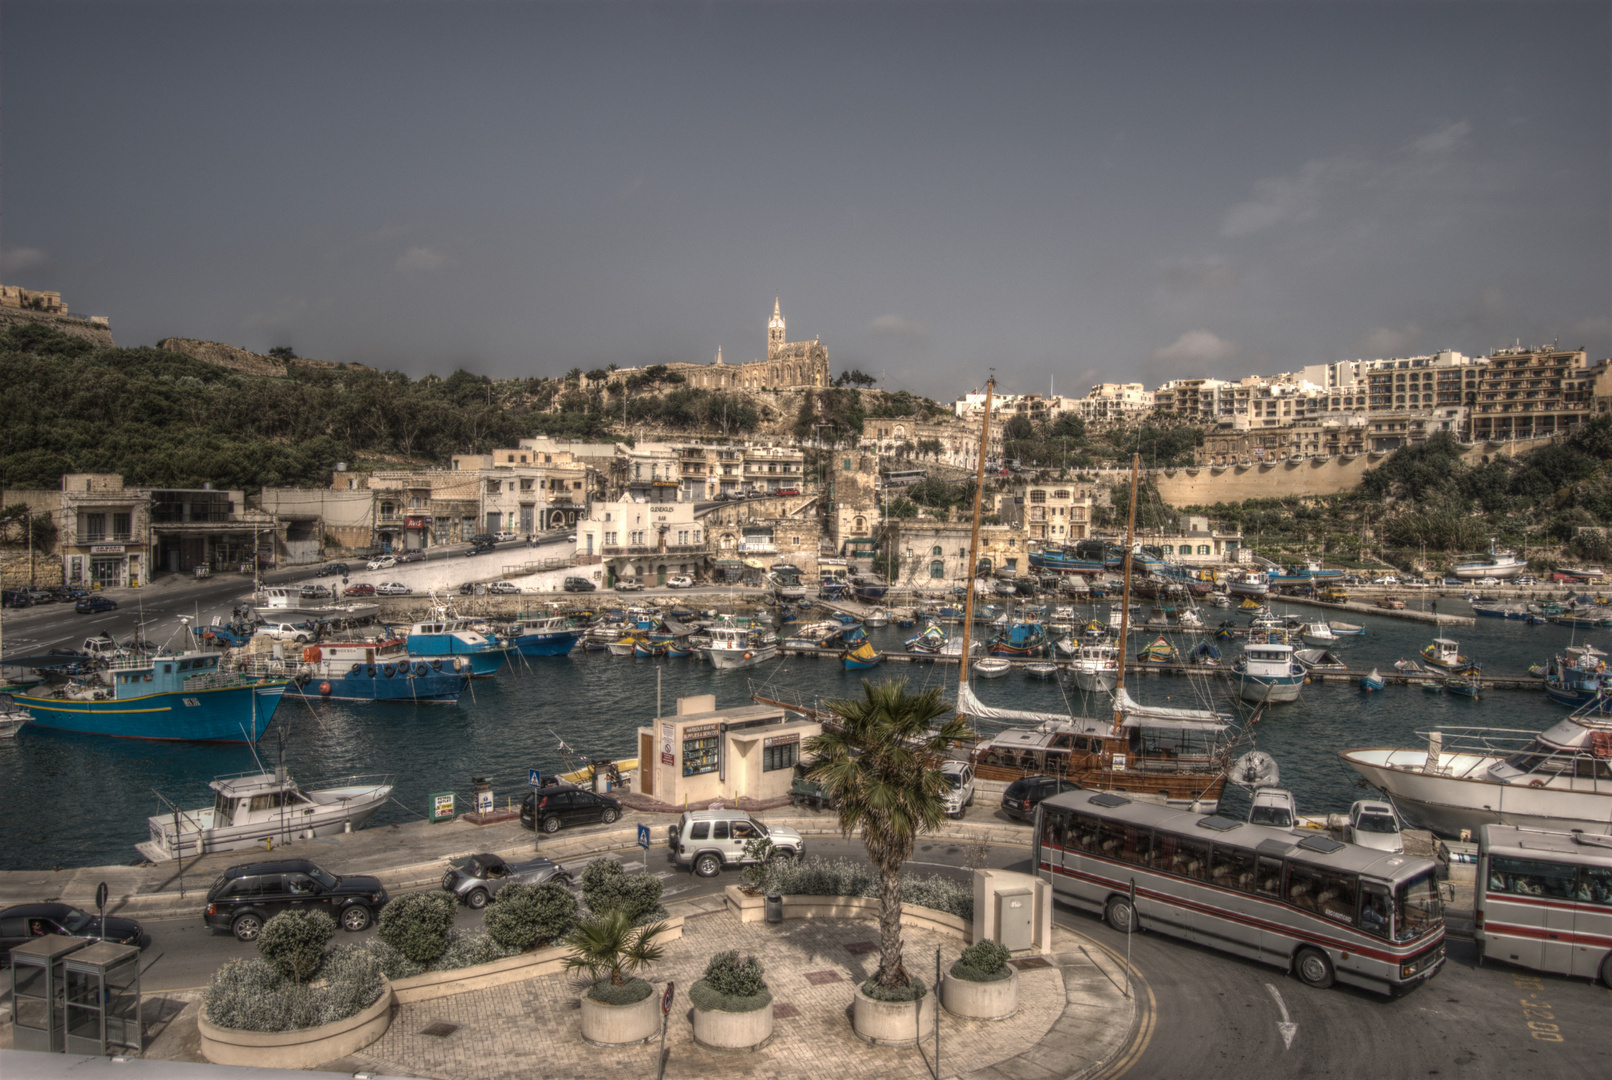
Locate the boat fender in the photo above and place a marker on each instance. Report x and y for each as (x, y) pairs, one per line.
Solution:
(436, 665)
(310, 654)
(1536, 783)
(402, 670)
(747, 656)
(420, 668)
(458, 663)
(389, 671)
(324, 689)
(356, 668)
(370, 671)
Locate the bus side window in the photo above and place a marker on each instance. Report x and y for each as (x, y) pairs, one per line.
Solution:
(1374, 908)
(1083, 833)
(1055, 827)
(1595, 884)
(1232, 869)
(1303, 886)
(1269, 876)
(1336, 900)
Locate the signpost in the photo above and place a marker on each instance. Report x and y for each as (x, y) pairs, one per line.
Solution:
(534, 778)
(441, 806)
(1129, 926)
(100, 902)
(665, 1011)
(643, 839)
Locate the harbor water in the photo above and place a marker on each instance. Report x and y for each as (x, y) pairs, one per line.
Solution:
(79, 800)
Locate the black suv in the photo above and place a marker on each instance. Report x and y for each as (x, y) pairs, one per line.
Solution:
(21, 923)
(339, 569)
(1024, 794)
(578, 584)
(246, 896)
(552, 807)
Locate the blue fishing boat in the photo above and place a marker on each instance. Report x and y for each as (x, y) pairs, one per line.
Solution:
(648, 649)
(1204, 653)
(862, 657)
(1463, 687)
(1065, 560)
(1019, 639)
(1580, 678)
(540, 635)
(453, 637)
(186, 696)
(1372, 682)
(382, 671)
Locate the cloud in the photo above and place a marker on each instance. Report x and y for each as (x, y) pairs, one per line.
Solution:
(897, 327)
(630, 188)
(419, 260)
(1443, 140)
(1280, 199)
(18, 259)
(1202, 273)
(1385, 342)
(1196, 347)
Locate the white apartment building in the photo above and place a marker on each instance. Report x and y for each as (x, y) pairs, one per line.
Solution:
(1109, 401)
(645, 541)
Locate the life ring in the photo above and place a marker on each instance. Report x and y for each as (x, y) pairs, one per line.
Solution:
(355, 669)
(1257, 639)
(310, 654)
(1536, 783)
(324, 688)
(436, 665)
(389, 671)
(420, 668)
(370, 671)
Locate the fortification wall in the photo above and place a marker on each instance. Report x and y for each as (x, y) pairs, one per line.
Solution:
(98, 333)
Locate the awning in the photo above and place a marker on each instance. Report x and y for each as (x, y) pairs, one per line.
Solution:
(756, 564)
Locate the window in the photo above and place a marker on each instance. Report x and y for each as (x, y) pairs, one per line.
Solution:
(719, 830)
(120, 526)
(1531, 877)
(1126, 843)
(701, 830)
(780, 757)
(935, 551)
(1231, 868)
(1203, 549)
(937, 570)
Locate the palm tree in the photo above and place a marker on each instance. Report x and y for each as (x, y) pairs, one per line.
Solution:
(880, 765)
(610, 945)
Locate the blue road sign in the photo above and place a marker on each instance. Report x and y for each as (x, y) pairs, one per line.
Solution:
(643, 837)
(533, 777)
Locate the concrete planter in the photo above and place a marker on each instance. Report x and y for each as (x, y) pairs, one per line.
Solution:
(733, 1030)
(892, 1023)
(617, 1025)
(300, 1049)
(981, 1000)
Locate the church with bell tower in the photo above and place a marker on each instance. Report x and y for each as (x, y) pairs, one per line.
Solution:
(789, 364)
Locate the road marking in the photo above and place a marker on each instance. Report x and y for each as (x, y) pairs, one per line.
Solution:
(1286, 1027)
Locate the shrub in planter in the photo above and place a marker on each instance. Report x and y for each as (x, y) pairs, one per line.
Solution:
(983, 961)
(294, 942)
(731, 984)
(252, 995)
(467, 948)
(760, 871)
(915, 989)
(394, 965)
(525, 916)
(417, 924)
(607, 887)
(941, 894)
(611, 949)
(630, 992)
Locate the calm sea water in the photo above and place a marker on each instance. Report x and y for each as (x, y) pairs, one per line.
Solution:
(75, 800)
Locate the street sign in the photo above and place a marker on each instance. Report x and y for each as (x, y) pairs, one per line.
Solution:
(100, 903)
(666, 1001)
(533, 777)
(643, 837)
(441, 806)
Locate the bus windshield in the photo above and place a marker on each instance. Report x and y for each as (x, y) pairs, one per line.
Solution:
(1417, 907)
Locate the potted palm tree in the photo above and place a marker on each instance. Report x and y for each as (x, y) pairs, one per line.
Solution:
(880, 765)
(618, 1007)
(981, 985)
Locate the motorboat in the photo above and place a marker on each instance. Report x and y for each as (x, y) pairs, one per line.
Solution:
(1372, 682)
(1096, 667)
(1319, 634)
(1019, 639)
(1445, 653)
(738, 644)
(1320, 660)
(1496, 564)
(1579, 679)
(876, 617)
(250, 808)
(1407, 667)
(1462, 686)
(1267, 673)
(787, 582)
(377, 671)
(1468, 777)
(448, 636)
(544, 635)
(1250, 584)
(992, 667)
(1344, 629)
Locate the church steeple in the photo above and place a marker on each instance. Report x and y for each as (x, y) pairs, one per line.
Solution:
(775, 330)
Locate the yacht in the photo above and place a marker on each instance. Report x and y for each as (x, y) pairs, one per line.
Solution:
(1496, 564)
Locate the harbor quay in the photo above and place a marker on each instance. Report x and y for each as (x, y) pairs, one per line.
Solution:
(1077, 1013)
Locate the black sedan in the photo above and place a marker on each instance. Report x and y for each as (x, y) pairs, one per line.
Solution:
(26, 921)
(551, 807)
(92, 605)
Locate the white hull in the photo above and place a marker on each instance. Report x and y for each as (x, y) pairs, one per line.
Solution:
(339, 810)
(732, 659)
(1247, 588)
(1500, 570)
(1096, 680)
(1458, 796)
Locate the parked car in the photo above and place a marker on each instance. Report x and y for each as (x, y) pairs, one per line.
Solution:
(705, 841)
(315, 592)
(503, 587)
(38, 595)
(1374, 824)
(629, 585)
(336, 569)
(578, 584)
(959, 776)
(91, 605)
(1487, 582)
(246, 896)
(571, 538)
(476, 879)
(392, 588)
(15, 598)
(19, 924)
(363, 588)
(1524, 579)
(381, 562)
(551, 807)
(503, 537)
(788, 491)
(468, 589)
(1025, 794)
(681, 581)
(301, 633)
(411, 556)
(482, 538)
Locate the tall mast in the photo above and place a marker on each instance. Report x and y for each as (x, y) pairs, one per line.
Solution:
(1125, 602)
(974, 538)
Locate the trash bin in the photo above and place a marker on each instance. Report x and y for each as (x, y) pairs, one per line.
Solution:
(775, 908)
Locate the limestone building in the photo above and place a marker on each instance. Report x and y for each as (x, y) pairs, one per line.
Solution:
(789, 364)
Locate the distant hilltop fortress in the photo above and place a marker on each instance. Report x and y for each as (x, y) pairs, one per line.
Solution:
(19, 306)
(788, 364)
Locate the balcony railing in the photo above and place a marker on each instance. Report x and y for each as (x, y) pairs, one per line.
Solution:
(101, 538)
(650, 549)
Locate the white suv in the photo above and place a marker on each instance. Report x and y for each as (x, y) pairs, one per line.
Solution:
(286, 632)
(960, 787)
(708, 840)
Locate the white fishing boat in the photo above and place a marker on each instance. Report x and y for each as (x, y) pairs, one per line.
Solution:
(1267, 672)
(1347, 629)
(1041, 669)
(1469, 777)
(1251, 583)
(736, 645)
(992, 667)
(1319, 634)
(876, 617)
(252, 807)
(1495, 564)
(1096, 667)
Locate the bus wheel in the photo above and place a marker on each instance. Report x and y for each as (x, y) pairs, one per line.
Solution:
(1606, 970)
(1313, 968)
(1120, 915)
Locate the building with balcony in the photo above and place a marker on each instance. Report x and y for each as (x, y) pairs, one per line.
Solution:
(908, 440)
(1056, 514)
(1110, 402)
(643, 541)
(103, 531)
(1531, 393)
(193, 527)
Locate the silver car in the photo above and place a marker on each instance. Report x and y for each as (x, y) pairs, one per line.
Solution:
(475, 879)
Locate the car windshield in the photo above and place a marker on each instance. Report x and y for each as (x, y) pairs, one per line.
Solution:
(1417, 907)
(323, 877)
(75, 920)
(760, 828)
(1377, 823)
(954, 779)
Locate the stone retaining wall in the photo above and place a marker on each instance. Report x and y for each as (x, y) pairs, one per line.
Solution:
(300, 1049)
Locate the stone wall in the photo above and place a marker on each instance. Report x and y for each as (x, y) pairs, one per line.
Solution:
(241, 360)
(97, 333)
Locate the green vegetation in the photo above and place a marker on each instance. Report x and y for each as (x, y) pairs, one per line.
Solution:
(612, 951)
(417, 924)
(294, 942)
(526, 916)
(983, 961)
(731, 983)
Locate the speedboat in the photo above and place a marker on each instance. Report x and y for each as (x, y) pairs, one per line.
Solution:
(250, 808)
(1319, 634)
(1469, 777)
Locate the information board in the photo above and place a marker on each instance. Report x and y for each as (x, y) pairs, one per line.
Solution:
(702, 745)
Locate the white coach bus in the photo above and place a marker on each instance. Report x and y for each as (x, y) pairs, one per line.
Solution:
(1544, 900)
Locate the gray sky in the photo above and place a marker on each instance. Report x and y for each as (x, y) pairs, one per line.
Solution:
(1126, 191)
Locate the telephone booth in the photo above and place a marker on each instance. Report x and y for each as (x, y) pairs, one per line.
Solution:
(102, 999)
(38, 987)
